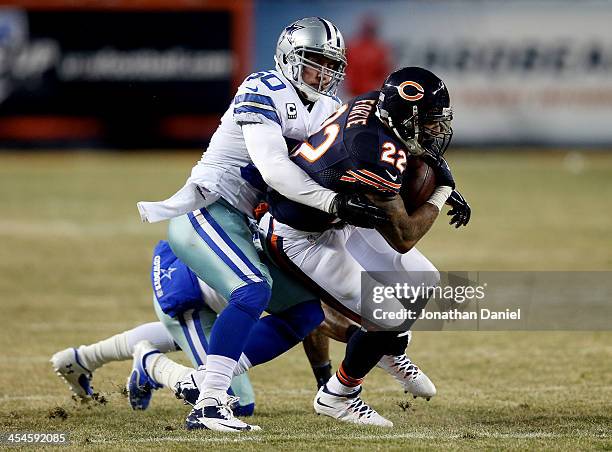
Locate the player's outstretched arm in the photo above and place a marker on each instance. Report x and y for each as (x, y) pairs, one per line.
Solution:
(403, 231)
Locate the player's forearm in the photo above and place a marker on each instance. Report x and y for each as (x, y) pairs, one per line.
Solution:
(411, 228)
(268, 150)
(404, 231)
(289, 180)
(411, 231)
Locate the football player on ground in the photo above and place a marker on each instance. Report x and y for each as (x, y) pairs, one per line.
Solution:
(177, 293)
(363, 148)
(208, 227)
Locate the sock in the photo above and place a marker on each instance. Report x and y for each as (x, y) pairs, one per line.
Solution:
(341, 384)
(198, 376)
(164, 371)
(243, 365)
(322, 373)
(352, 329)
(114, 348)
(121, 346)
(241, 386)
(363, 351)
(154, 332)
(219, 373)
(200, 373)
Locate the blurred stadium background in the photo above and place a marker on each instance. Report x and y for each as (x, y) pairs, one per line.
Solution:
(107, 102)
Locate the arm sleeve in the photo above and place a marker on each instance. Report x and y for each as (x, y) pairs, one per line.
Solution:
(268, 150)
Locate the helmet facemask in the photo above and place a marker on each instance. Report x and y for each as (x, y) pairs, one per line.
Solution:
(329, 78)
(437, 132)
(430, 136)
(406, 130)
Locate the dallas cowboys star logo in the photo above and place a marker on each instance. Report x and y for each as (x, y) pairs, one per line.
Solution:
(166, 273)
(291, 28)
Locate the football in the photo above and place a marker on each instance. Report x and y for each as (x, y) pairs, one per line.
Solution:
(418, 183)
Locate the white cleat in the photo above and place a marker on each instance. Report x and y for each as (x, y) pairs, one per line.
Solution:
(412, 379)
(348, 408)
(215, 413)
(68, 365)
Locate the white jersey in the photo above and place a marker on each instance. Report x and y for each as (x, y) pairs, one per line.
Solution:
(226, 168)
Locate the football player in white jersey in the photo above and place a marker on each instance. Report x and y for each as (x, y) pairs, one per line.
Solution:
(208, 227)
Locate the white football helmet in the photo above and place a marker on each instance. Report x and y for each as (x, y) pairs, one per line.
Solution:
(303, 38)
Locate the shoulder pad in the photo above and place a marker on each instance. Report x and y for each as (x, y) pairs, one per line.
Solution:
(258, 97)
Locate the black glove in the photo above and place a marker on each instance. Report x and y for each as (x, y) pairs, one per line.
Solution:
(356, 209)
(461, 211)
(441, 170)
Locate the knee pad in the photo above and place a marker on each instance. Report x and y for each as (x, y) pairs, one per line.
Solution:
(252, 298)
(303, 318)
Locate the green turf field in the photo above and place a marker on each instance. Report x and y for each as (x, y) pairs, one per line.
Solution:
(74, 268)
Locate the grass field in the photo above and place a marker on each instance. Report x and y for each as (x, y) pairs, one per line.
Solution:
(74, 266)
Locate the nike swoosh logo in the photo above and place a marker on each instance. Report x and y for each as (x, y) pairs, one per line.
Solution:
(323, 404)
(234, 427)
(391, 175)
(253, 89)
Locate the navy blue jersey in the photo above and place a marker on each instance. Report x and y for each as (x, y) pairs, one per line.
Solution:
(353, 151)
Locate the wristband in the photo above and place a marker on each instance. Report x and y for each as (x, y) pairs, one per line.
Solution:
(439, 196)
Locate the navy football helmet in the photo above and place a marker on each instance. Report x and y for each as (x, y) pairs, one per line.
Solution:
(414, 103)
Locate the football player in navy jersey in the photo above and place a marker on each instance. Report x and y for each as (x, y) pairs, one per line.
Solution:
(364, 148)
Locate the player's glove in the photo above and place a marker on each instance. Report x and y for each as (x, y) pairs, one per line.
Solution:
(442, 171)
(444, 177)
(356, 209)
(461, 210)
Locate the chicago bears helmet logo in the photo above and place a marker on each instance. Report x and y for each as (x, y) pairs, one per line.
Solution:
(401, 89)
